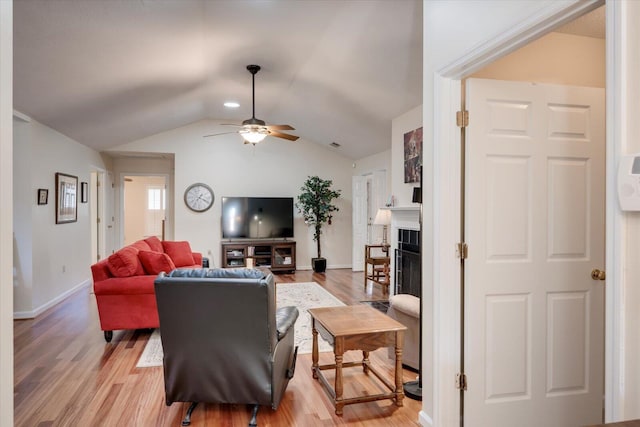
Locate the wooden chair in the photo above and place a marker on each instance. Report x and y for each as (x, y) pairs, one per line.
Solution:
(376, 265)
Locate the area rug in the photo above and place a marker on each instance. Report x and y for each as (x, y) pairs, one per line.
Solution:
(302, 295)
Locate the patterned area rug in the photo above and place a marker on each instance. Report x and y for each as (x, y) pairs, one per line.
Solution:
(302, 295)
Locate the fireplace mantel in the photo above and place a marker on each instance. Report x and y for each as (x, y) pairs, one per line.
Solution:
(405, 217)
(402, 218)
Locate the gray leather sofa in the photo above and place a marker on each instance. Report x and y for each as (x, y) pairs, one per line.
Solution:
(223, 339)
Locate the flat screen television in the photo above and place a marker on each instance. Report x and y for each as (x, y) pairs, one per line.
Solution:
(257, 217)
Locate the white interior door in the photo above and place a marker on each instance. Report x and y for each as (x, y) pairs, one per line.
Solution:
(108, 214)
(359, 221)
(534, 318)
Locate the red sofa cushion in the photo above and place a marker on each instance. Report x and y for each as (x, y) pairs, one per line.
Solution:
(155, 262)
(154, 243)
(180, 253)
(141, 245)
(125, 263)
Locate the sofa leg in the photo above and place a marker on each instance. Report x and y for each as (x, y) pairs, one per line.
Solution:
(108, 336)
(253, 422)
(187, 418)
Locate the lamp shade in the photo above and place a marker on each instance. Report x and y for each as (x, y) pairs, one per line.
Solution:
(383, 217)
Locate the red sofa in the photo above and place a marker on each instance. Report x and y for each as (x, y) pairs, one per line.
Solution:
(123, 282)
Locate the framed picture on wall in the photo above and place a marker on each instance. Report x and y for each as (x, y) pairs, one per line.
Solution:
(66, 198)
(43, 196)
(412, 155)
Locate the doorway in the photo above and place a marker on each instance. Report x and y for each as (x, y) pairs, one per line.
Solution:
(144, 207)
(369, 192)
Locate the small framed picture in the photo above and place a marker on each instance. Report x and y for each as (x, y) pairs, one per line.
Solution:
(66, 198)
(84, 192)
(43, 196)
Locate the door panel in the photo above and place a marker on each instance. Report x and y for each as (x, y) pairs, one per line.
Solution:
(534, 318)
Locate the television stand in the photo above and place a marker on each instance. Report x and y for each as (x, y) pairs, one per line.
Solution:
(277, 255)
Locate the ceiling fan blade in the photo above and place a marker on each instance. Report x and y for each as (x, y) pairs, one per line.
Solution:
(283, 135)
(280, 127)
(216, 134)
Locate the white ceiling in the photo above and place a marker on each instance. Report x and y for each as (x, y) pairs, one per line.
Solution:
(112, 71)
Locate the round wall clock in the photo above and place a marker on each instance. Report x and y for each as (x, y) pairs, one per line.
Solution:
(199, 197)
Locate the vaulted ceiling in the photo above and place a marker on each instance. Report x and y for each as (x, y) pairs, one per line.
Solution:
(112, 71)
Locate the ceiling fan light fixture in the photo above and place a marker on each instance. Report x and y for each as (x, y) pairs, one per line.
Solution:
(254, 135)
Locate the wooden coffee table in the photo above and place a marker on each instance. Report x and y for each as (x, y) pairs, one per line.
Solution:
(357, 327)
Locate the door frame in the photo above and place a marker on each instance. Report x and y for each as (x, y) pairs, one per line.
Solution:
(445, 303)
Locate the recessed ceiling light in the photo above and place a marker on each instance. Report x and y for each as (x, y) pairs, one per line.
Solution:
(231, 104)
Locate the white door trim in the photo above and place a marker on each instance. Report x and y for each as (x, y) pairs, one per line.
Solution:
(616, 125)
(442, 336)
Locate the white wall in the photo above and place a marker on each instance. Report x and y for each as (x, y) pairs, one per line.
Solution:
(6, 213)
(375, 162)
(555, 58)
(51, 260)
(630, 281)
(400, 125)
(273, 168)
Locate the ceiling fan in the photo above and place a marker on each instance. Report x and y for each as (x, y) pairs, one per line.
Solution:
(255, 130)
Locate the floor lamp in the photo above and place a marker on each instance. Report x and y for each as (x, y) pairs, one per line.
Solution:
(413, 389)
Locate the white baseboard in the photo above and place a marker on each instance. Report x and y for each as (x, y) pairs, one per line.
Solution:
(17, 315)
(424, 419)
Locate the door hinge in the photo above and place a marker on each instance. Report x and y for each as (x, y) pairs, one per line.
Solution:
(98, 220)
(462, 250)
(461, 381)
(462, 119)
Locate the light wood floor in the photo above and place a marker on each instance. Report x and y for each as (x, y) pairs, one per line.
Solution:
(67, 375)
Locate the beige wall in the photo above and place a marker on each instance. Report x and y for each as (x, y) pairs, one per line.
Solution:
(136, 215)
(555, 58)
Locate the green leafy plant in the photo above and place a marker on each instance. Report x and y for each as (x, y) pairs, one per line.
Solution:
(315, 203)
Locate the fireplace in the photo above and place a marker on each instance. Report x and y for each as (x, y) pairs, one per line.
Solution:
(408, 263)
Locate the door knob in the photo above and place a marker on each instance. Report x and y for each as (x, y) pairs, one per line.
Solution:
(598, 274)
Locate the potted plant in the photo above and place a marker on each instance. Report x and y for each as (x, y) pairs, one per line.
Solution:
(315, 203)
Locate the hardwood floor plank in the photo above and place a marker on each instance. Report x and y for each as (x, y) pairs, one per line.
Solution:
(67, 375)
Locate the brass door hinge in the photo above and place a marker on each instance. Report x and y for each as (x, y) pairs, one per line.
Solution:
(461, 381)
(462, 250)
(462, 119)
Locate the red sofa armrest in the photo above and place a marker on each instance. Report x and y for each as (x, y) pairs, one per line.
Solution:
(197, 258)
(100, 271)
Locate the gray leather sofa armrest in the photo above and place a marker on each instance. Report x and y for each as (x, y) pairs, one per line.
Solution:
(285, 318)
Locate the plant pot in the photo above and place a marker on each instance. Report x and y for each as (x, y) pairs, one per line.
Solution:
(319, 264)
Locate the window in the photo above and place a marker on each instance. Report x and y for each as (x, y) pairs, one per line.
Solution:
(156, 198)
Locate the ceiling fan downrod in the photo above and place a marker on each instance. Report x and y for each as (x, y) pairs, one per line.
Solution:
(253, 69)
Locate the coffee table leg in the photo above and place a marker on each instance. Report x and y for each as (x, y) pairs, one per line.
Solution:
(365, 362)
(338, 400)
(314, 351)
(399, 390)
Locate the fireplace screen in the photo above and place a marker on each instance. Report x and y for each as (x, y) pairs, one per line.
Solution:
(408, 263)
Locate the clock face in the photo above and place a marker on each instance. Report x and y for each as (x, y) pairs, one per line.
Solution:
(199, 197)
